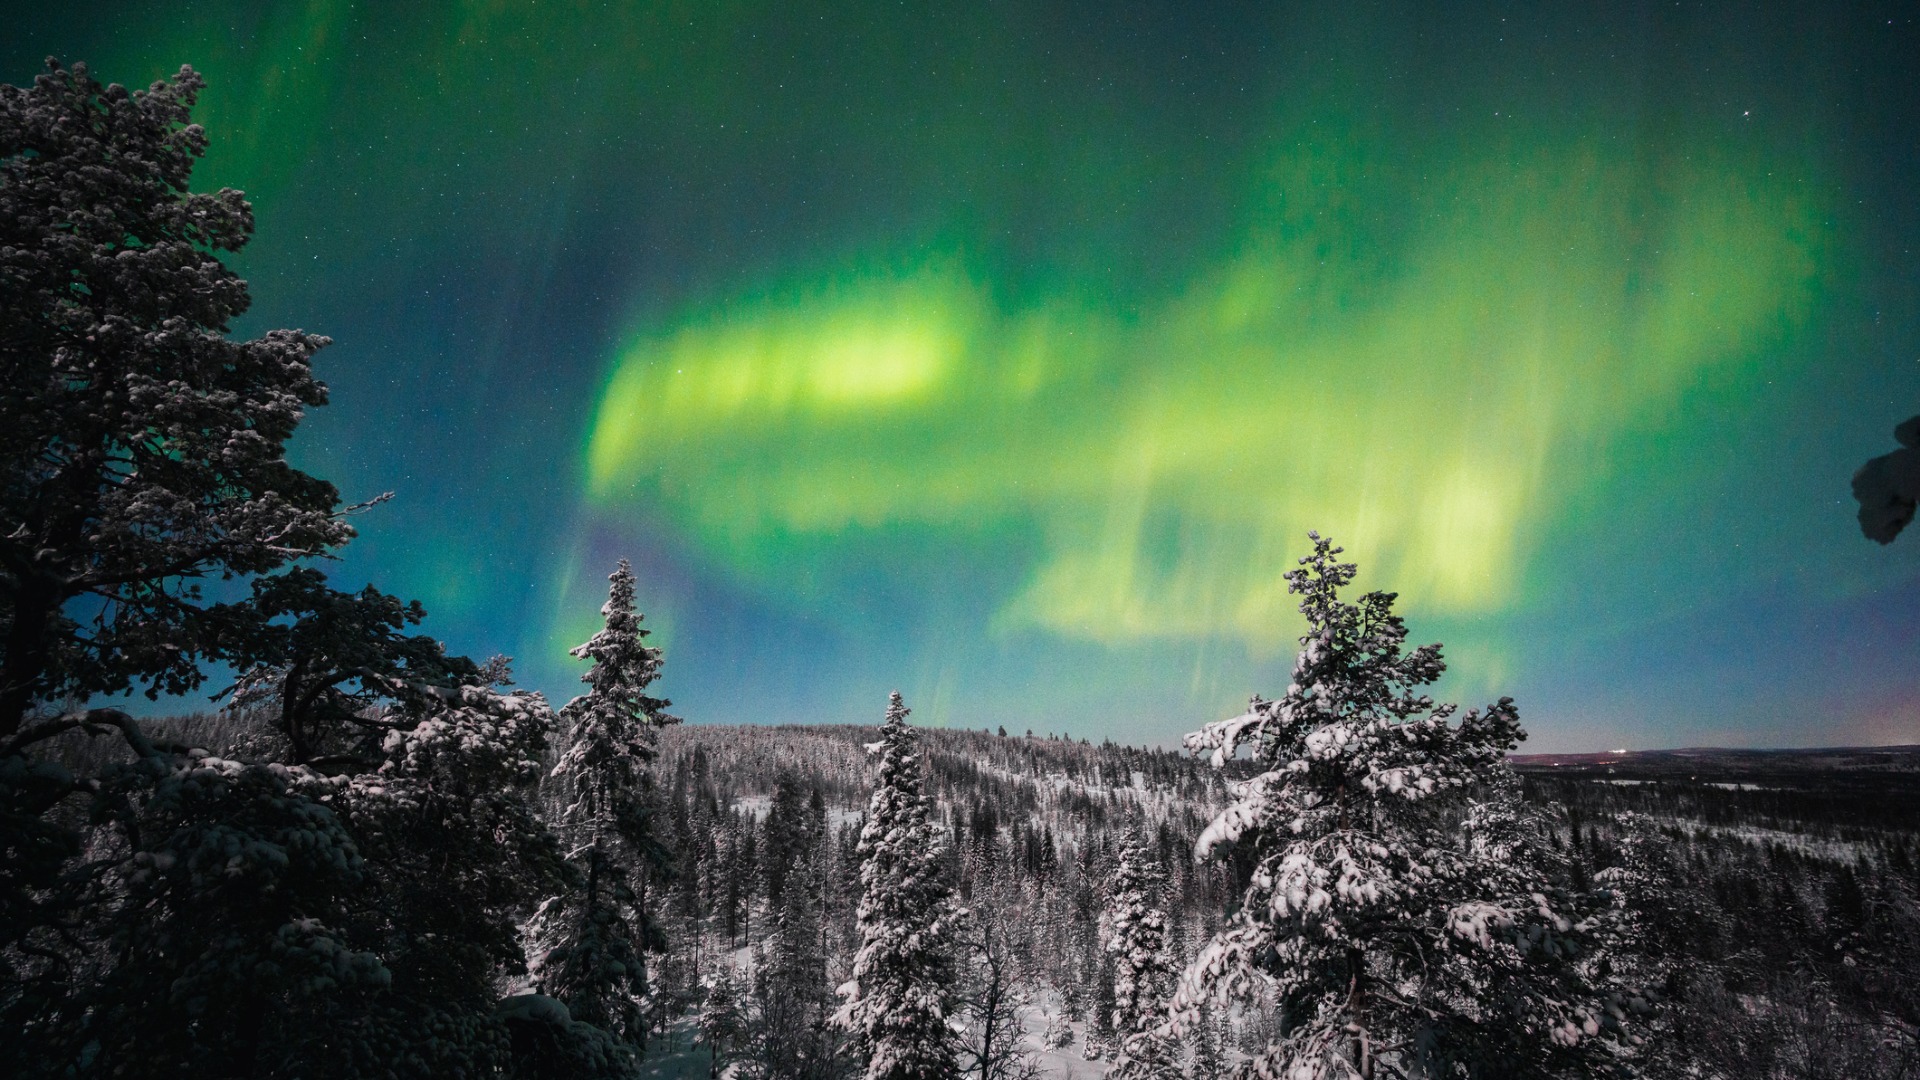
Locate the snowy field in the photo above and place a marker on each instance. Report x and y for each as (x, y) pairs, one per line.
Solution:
(677, 1058)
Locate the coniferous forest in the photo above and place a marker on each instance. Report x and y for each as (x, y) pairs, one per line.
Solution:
(375, 857)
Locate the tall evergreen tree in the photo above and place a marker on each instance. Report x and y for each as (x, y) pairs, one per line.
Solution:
(1143, 976)
(897, 1000)
(595, 939)
(1387, 935)
(794, 997)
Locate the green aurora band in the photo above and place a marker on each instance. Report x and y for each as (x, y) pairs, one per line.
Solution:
(1428, 396)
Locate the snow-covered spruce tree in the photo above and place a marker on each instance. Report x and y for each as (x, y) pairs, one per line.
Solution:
(1661, 939)
(791, 1038)
(591, 941)
(1209, 1062)
(142, 450)
(1143, 977)
(896, 1003)
(1393, 947)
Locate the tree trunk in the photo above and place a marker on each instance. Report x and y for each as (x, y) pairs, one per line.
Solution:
(25, 665)
(292, 720)
(1357, 1011)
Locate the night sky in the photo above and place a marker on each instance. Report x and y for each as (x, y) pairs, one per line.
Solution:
(1004, 353)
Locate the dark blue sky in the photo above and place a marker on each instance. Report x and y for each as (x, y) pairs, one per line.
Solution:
(1004, 353)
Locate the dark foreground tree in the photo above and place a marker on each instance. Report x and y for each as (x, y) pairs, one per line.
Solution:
(1888, 487)
(897, 1000)
(180, 912)
(458, 859)
(207, 929)
(321, 661)
(141, 450)
(1392, 907)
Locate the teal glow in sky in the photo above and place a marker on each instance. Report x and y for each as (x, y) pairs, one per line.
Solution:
(1004, 353)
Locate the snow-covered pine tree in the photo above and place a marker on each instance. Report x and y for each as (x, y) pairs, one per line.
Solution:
(220, 917)
(1386, 937)
(1209, 1060)
(896, 1003)
(1059, 1031)
(1143, 977)
(592, 942)
(1660, 936)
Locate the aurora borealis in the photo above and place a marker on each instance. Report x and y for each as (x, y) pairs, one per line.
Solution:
(1004, 353)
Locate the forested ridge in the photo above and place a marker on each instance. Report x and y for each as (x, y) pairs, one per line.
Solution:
(1788, 916)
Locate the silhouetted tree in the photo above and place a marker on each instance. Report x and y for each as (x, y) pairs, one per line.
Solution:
(142, 450)
(320, 660)
(1888, 487)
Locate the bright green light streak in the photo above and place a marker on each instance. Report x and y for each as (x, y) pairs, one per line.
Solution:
(1431, 409)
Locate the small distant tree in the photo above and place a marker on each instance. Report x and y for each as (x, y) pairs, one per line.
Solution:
(720, 1022)
(1143, 977)
(595, 938)
(897, 1000)
(1209, 1058)
(792, 1038)
(1059, 1031)
(1394, 944)
(996, 947)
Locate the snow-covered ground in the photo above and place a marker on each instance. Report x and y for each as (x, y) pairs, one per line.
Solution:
(677, 1057)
